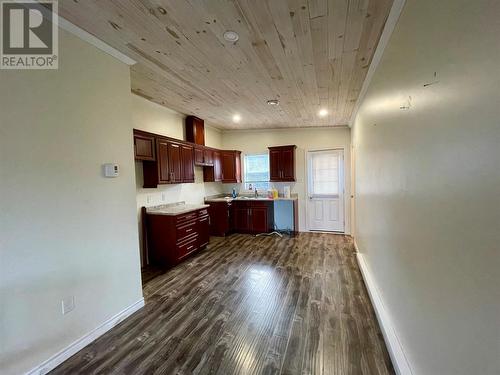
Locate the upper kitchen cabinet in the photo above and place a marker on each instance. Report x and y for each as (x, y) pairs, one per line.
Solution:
(157, 172)
(199, 156)
(173, 163)
(203, 156)
(214, 174)
(282, 163)
(187, 163)
(231, 166)
(144, 146)
(195, 130)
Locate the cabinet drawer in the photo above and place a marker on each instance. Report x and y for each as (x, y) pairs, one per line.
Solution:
(203, 212)
(186, 218)
(185, 231)
(188, 246)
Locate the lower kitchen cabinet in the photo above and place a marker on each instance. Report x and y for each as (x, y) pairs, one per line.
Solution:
(241, 219)
(252, 217)
(220, 218)
(171, 238)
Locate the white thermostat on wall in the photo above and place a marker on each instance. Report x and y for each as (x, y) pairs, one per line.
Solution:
(111, 170)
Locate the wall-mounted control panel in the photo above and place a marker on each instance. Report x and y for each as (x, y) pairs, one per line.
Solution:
(111, 170)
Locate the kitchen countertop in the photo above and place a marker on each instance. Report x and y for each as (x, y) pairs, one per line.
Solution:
(226, 198)
(174, 208)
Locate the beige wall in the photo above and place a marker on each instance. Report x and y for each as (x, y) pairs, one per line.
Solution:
(428, 182)
(256, 141)
(157, 119)
(65, 230)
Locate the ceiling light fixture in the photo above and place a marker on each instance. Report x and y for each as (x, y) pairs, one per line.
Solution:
(273, 102)
(322, 112)
(236, 118)
(231, 36)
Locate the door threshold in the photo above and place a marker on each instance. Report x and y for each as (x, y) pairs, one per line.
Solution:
(326, 231)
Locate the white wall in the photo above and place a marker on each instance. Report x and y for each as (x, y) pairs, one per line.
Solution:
(428, 182)
(257, 141)
(151, 117)
(64, 229)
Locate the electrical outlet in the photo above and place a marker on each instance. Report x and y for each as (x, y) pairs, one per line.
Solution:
(163, 196)
(149, 198)
(67, 304)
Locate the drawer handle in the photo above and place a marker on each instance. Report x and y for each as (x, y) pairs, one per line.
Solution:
(190, 247)
(189, 230)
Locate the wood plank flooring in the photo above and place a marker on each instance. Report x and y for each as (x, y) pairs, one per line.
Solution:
(249, 305)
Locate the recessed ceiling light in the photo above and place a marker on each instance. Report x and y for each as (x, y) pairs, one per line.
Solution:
(231, 36)
(273, 102)
(322, 112)
(236, 118)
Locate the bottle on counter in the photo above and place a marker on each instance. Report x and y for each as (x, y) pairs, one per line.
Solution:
(234, 193)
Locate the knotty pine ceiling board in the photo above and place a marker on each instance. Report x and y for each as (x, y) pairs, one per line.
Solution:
(309, 54)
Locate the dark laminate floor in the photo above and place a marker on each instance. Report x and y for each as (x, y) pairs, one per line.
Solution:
(249, 305)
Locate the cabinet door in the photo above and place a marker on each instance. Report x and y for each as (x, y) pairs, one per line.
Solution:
(287, 165)
(241, 219)
(208, 157)
(187, 163)
(217, 166)
(275, 165)
(163, 162)
(195, 130)
(175, 164)
(203, 231)
(258, 218)
(144, 147)
(198, 156)
(228, 167)
(237, 166)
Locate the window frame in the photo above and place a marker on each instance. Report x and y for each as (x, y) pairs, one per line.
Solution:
(246, 183)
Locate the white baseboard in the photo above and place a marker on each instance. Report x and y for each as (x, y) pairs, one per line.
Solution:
(79, 344)
(399, 360)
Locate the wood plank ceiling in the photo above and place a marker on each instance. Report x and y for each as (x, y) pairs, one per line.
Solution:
(309, 54)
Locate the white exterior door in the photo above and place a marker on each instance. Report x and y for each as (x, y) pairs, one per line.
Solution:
(325, 203)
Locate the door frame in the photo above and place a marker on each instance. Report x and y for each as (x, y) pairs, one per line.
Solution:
(346, 201)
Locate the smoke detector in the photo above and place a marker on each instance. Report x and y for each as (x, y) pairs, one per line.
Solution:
(231, 36)
(273, 102)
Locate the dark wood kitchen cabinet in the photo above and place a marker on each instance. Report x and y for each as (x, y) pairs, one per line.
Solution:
(231, 166)
(241, 218)
(199, 157)
(282, 163)
(171, 238)
(252, 216)
(157, 172)
(170, 161)
(217, 166)
(173, 164)
(187, 163)
(208, 156)
(220, 218)
(203, 156)
(144, 147)
(195, 130)
(213, 173)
